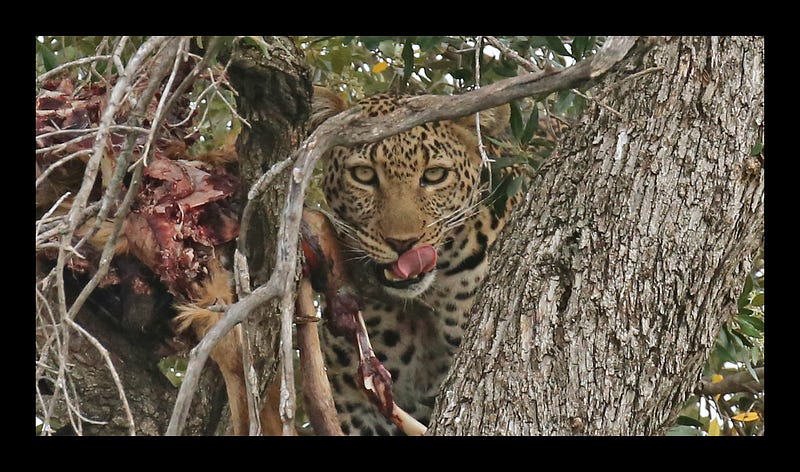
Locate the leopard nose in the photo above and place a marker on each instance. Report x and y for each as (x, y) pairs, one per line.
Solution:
(401, 245)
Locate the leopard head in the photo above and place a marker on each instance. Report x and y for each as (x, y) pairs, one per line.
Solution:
(396, 201)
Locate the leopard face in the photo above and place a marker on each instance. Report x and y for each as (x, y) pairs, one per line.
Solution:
(392, 202)
(407, 191)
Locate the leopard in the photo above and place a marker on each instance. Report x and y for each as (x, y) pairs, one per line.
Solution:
(395, 200)
(415, 217)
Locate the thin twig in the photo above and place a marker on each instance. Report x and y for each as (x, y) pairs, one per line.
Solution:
(735, 383)
(60, 162)
(111, 369)
(190, 78)
(251, 383)
(110, 195)
(507, 51)
(110, 247)
(649, 70)
(160, 109)
(230, 107)
(726, 409)
(49, 212)
(59, 146)
(57, 70)
(52, 337)
(117, 55)
(59, 223)
(603, 105)
(485, 161)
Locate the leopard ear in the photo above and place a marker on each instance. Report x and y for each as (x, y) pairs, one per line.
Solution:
(493, 120)
(324, 105)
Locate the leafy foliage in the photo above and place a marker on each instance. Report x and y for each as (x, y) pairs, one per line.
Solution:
(359, 66)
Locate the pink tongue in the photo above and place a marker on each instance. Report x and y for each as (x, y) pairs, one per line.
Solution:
(414, 262)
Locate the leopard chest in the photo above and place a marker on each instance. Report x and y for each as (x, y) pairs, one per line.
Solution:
(414, 344)
(415, 339)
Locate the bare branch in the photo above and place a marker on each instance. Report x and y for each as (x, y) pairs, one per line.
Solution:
(485, 161)
(736, 383)
(187, 82)
(161, 109)
(506, 51)
(424, 108)
(199, 354)
(57, 70)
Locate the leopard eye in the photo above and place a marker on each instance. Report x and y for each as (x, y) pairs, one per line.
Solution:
(364, 175)
(434, 175)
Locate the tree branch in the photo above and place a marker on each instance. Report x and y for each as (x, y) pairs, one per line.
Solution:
(736, 383)
(316, 389)
(424, 108)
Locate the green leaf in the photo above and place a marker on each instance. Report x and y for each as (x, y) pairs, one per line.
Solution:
(747, 327)
(582, 45)
(516, 121)
(682, 430)
(744, 298)
(371, 42)
(579, 46)
(340, 58)
(514, 186)
(725, 355)
(531, 126)
(565, 98)
(427, 43)
(48, 58)
(538, 41)
(387, 47)
(555, 44)
(408, 61)
(758, 299)
(742, 340)
(751, 370)
(689, 421)
(757, 148)
(753, 321)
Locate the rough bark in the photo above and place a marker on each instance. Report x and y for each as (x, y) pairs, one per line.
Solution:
(627, 255)
(274, 95)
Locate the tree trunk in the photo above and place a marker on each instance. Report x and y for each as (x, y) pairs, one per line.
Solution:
(274, 95)
(627, 255)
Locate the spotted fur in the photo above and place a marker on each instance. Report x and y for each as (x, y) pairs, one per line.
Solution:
(419, 187)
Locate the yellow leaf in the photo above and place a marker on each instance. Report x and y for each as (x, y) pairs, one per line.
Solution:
(747, 416)
(716, 378)
(379, 67)
(713, 428)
